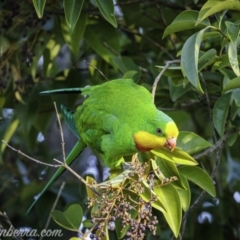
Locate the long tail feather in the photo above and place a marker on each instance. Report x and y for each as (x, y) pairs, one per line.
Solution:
(61, 91)
(77, 149)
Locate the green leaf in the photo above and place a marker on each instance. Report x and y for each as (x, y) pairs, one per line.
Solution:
(199, 177)
(177, 156)
(191, 143)
(220, 111)
(148, 194)
(212, 7)
(177, 92)
(206, 59)
(11, 129)
(185, 20)
(172, 71)
(39, 7)
(73, 38)
(72, 11)
(126, 64)
(169, 169)
(235, 94)
(5, 45)
(69, 219)
(189, 59)
(158, 172)
(87, 223)
(221, 62)
(106, 7)
(130, 74)
(184, 194)
(90, 181)
(234, 83)
(232, 139)
(116, 181)
(232, 33)
(171, 200)
(102, 38)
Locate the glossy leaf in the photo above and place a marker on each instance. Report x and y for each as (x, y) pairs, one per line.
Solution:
(199, 177)
(235, 95)
(102, 38)
(184, 194)
(177, 156)
(234, 83)
(130, 75)
(189, 59)
(169, 169)
(69, 219)
(212, 7)
(220, 111)
(185, 20)
(72, 11)
(116, 181)
(90, 181)
(106, 7)
(177, 91)
(207, 58)
(127, 66)
(5, 45)
(148, 194)
(87, 223)
(191, 143)
(39, 7)
(171, 200)
(221, 62)
(232, 33)
(158, 172)
(9, 132)
(73, 38)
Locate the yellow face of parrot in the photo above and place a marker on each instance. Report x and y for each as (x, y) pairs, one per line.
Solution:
(145, 141)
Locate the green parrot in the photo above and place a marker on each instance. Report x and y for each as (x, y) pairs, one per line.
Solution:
(117, 119)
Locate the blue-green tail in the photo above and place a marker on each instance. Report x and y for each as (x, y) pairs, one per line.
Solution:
(61, 91)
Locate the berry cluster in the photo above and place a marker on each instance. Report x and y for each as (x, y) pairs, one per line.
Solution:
(123, 204)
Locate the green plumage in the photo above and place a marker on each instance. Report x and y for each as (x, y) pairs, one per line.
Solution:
(112, 113)
(108, 120)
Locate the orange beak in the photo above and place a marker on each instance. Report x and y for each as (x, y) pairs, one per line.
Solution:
(171, 144)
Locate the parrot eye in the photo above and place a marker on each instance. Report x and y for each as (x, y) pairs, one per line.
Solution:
(159, 130)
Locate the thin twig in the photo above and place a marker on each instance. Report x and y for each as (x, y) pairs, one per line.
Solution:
(110, 48)
(89, 64)
(63, 150)
(189, 211)
(165, 24)
(53, 207)
(168, 63)
(61, 133)
(217, 144)
(209, 107)
(33, 159)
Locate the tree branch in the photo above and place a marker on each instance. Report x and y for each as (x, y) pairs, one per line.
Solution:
(167, 64)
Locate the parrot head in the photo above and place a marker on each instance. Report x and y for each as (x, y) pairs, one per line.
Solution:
(160, 133)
